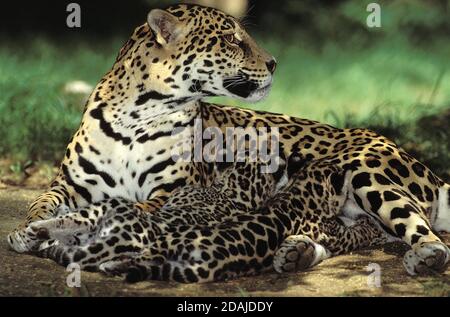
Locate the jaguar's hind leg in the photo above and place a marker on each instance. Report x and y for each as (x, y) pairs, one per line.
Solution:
(404, 217)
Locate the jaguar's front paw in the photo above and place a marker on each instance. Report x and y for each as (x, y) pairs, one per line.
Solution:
(427, 258)
(298, 253)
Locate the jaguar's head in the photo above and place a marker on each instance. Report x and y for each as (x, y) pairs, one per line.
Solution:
(191, 52)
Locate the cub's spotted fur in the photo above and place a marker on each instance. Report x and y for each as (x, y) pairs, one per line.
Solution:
(209, 233)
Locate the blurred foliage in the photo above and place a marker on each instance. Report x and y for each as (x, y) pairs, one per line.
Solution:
(425, 138)
(318, 20)
(36, 118)
(345, 20)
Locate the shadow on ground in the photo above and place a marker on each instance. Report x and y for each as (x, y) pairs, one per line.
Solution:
(25, 275)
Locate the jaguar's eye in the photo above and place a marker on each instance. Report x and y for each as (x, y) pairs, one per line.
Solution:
(230, 38)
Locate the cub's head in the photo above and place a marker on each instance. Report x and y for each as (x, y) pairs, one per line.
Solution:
(189, 52)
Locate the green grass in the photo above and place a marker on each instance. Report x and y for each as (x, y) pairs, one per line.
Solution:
(389, 85)
(337, 82)
(36, 117)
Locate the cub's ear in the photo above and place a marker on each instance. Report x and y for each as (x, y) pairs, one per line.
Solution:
(165, 26)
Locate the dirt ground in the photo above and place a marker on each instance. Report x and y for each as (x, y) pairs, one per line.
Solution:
(25, 275)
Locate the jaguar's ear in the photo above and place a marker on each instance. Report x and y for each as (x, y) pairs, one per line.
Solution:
(165, 26)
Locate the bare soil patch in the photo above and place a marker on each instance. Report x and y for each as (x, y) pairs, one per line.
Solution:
(26, 275)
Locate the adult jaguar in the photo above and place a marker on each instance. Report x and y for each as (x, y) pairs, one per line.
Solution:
(185, 53)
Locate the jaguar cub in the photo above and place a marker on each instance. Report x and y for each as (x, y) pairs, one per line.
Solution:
(279, 235)
(209, 233)
(113, 227)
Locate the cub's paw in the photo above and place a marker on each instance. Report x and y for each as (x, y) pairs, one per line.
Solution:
(118, 266)
(55, 229)
(19, 241)
(47, 244)
(126, 268)
(427, 258)
(27, 239)
(298, 253)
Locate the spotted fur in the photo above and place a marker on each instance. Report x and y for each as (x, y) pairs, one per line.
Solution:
(207, 234)
(185, 53)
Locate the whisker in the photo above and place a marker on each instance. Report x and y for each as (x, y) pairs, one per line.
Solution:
(235, 83)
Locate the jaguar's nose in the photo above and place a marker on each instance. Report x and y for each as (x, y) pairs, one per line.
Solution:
(271, 65)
